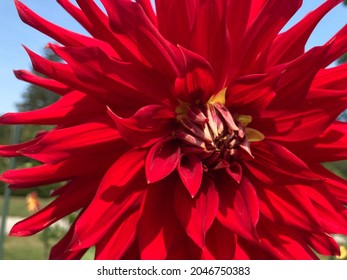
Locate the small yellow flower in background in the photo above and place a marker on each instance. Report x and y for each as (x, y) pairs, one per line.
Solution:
(32, 201)
(343, 255)
(342, 241)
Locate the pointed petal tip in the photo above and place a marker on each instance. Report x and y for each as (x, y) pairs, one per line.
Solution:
(19, 73)
(17, 2)
(75, 244)
(10, 118)
(34, 149)
(18, 232)
(3, 119)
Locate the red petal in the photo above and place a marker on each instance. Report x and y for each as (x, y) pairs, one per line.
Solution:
(237, 15)
(125, 168)
(324, 244)
(146, 126)
(246, 250)
(74, 107)
(332, 214)
(63, 36)
(62, 73)
(182, 18)
(263, 31)
(129, 80)
(250, 94)
(239, 209)
(337, 46)
(285, 243)
(120, 192)
(210, 37)
(78, 15)
(296, 78)
(190, 170)
(282, 206)
(13, 150)
(307, 121)
(49, 84)
(197, 214)
(61, 250)
(117, 240)
(272, 159)
(61, 144)
(196, 82)
(336, 185)
(330, 146)
(221, 242)
(128, 16)
(334, 78)
(124, 45)
(158, 229)
(255, 9)
(65, 170)
(107, 208)
(148, 9)
(162, 159)
(235, 171)
(80, 193)
(291, 44)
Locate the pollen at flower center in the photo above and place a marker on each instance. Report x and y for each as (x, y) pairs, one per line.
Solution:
(212, 133)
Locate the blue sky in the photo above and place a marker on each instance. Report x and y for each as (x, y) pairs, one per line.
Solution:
(14, 33)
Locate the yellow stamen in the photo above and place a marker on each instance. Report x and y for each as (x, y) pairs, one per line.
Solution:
(181, 110)
(343, 253)
(245, 120)
(219, 97)
(254, 135)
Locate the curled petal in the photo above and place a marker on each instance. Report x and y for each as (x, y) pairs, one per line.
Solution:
(60, 144)
(196, 81)
(190, 170)
(162, 159)
(146, 126)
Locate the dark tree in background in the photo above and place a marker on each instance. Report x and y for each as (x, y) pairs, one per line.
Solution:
(33, 98)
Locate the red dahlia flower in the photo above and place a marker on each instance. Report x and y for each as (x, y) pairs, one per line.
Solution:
(195, 131)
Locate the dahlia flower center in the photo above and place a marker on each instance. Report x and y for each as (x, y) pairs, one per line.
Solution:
(212, 133)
